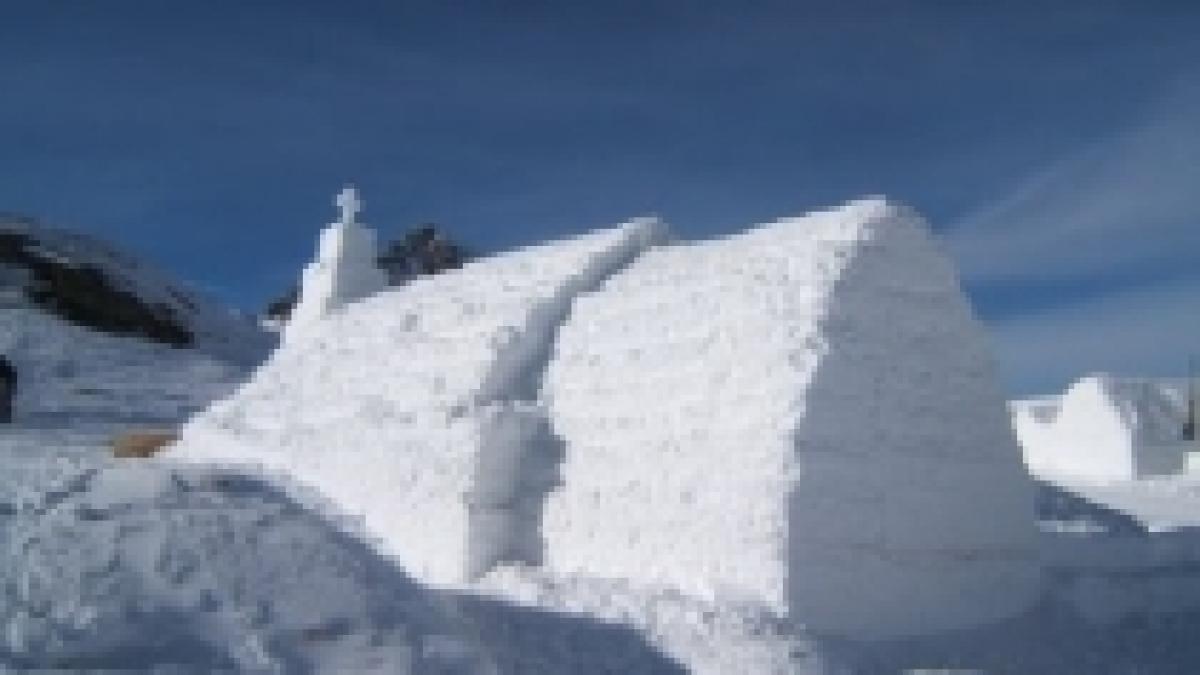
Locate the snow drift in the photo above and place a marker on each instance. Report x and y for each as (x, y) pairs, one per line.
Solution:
(803, 416)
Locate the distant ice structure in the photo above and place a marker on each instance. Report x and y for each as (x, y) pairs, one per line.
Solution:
(345, 269)
(803, 416)
(1105, 428)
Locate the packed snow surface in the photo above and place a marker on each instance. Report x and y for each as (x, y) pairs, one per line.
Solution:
(803, 415)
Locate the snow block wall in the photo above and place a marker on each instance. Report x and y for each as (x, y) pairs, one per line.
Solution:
(1105, 429)
(414, 409)
(803, 416)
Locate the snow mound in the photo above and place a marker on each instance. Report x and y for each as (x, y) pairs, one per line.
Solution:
(411, 406)
(1105, 428)
(802, 416)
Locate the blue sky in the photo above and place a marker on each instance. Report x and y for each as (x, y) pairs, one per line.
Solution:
(1055, 146)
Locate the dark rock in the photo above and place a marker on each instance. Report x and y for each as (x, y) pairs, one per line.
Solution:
(424, 250)
(86, 295)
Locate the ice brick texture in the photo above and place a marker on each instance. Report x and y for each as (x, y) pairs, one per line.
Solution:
(385, 406)
(803, 416)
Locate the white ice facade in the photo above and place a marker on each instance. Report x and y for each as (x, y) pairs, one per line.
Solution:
(1105, 428)
(802, 417)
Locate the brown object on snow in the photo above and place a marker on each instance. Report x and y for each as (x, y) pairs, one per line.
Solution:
(142, 444)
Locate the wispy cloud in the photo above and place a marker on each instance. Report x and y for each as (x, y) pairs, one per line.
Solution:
(1147, 332)
(1128, 204)
(1095, 255)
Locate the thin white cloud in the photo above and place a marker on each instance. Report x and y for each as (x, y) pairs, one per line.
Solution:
(1126, 204)
(1126, 207)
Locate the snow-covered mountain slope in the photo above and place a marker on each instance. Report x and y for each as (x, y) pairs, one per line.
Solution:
(1105, 428)
(803, 415)
(88, 282)
(72, 376)
(406, 408)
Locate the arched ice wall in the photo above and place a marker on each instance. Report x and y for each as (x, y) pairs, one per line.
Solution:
(804, 416)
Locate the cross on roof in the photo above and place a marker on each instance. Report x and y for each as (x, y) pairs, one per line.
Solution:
(349, 204)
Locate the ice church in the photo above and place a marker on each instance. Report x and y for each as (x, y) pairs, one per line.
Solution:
(802, 417)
